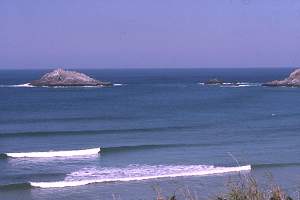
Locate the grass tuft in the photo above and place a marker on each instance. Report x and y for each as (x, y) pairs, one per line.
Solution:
(245, 188)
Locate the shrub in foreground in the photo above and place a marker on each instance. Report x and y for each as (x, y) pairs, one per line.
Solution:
(245, 188)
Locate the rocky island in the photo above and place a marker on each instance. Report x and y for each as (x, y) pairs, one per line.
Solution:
(61, 77)
(292, 81)
(214, 81)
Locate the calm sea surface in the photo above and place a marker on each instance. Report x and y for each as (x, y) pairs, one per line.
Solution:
(158, 128)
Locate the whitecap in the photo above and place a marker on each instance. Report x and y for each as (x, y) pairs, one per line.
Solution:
(50, 154)
(136, 173)
(117, 84)
(26, 85)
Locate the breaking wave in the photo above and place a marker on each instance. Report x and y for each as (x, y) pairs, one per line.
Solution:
(50, 154)
(241, 84)
(233, 84)
(27, 85)
(136, 173)
(118, 84)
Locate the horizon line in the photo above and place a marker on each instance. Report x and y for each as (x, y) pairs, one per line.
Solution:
(134, 68)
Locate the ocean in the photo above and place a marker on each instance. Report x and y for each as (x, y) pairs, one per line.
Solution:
(154, 127)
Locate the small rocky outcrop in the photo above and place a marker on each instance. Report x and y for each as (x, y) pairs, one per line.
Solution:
(61, 77)
(214, 81)
(292, 81)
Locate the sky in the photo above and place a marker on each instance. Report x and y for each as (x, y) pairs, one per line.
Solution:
(149, 33)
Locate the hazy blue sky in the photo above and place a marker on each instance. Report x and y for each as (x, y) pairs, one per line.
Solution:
(149, 33)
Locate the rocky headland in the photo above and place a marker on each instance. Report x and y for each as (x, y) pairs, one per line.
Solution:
(61, 77)
(292, 81)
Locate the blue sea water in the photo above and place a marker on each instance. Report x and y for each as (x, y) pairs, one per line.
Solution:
(158, 123)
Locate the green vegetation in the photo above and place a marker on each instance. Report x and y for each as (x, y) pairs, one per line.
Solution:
(245, 188)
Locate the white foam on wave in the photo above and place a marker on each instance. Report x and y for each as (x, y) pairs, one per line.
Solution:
(136, 173)
(238, 84)
(27, 85)
(118, 84)
(23, 85)
(227, 83)
(50, 154)
(242, 84)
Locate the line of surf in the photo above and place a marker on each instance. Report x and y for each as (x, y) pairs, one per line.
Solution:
(138, 174)
(28, 85)
(25, 85)
(233, 84)
(106, 150)
(50, 154)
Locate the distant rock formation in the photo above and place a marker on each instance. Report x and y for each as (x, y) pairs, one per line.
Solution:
(214, 81)
(292, 81)
(60, 77)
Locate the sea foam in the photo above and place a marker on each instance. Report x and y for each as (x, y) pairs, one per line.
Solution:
(136, 173)
(27, 85)
(234, 85)
(118, 84)
(49, 154)
(241, 84)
